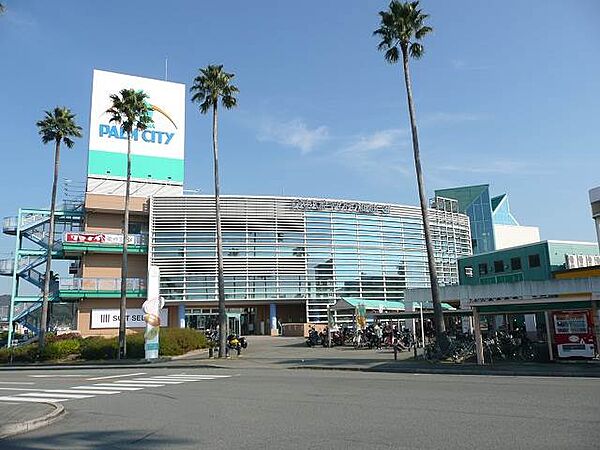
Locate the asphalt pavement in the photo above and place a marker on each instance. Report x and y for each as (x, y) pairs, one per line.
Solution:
(257, 402)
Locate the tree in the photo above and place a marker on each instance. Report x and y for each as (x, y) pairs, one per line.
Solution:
(212, 84)
(2, 8)
(57, 126)
(132, 112)
(401, 29)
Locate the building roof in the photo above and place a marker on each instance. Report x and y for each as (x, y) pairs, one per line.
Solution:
(465, 195)
(532, 244)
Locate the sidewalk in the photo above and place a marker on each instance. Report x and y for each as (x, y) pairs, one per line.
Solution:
(16, 418)
(267, 352)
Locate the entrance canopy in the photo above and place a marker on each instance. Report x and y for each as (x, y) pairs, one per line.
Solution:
(351, 303)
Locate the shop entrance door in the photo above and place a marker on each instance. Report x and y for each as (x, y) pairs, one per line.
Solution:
(234, 323)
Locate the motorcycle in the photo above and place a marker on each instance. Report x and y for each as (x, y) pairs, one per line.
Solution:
(235, 342)
(313, 338)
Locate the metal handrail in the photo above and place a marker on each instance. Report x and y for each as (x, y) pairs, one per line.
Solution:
(101, 284)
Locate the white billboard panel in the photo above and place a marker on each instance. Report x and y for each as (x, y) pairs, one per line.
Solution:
(158, 152)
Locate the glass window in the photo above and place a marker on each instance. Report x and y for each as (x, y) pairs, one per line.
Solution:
(534, 260)
(483, 269)
(499, 266)
(515, 263)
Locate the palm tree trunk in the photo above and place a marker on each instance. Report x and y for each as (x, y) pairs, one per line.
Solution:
(44, 318)
(220, 280)
(124, 265)
(440, 328)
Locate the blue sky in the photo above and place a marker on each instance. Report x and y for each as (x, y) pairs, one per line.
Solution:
(507, 94)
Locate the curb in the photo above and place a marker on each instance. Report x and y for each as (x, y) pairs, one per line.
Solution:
(448, 371)
(13, 429)
(112, 366)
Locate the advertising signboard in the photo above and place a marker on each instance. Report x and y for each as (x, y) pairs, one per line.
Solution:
(158, 152)
(109, 318)
(101, 238)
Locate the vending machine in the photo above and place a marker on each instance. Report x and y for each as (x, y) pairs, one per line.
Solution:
(574, 334)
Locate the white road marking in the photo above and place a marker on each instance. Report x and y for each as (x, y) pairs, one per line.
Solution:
(17, 382)
(82, 391)
(17, 389)
(33, 400)
(157, 380)
(136, 383)
(53, 396)
(55, 376)
(117, 376)
(200, 376)
(110, 387)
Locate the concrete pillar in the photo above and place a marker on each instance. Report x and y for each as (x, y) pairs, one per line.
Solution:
(273, 319)
(549, 325)
(530, 326)
(477, 336)
(181, 315)
(596, 325)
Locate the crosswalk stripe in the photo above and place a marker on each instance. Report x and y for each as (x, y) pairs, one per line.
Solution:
(178, 380)
(111, 387)
(33, 400)
(118, 376)
(199, 376)
(136, 383)
(160, 380)
(53, 396)
(83, 391)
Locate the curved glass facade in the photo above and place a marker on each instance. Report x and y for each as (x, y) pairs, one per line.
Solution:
(309, 251)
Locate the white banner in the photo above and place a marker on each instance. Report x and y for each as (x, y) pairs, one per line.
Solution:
(109, 318)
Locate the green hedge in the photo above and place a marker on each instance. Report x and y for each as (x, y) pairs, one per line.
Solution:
(177, 341)
(24, 354)
(61, 349)
(173, 341)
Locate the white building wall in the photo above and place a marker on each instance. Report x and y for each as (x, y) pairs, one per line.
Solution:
(513, 235)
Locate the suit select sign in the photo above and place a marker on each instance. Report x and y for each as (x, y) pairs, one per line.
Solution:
(109, 318)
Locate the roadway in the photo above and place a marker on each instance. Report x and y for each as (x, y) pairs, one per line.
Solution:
(264, 406)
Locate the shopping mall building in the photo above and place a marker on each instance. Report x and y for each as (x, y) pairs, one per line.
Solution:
(285, 258)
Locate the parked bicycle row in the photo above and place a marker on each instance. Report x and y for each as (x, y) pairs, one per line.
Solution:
(373, 336)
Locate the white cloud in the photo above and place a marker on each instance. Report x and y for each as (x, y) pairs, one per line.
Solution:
(375, 141)
(502, 167)
(384, 154)
(294, 133)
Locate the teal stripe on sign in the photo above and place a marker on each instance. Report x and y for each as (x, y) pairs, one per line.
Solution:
(149, 167)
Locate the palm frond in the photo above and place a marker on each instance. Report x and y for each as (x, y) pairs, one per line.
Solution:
(211, 84)
(130, 110)
(400, 27)
(59, 126)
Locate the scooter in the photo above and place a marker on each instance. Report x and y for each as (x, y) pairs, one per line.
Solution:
(313, 338)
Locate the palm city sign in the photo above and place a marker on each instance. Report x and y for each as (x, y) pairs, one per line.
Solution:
(340, 206)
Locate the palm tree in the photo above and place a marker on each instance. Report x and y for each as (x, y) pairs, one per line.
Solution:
(59, 127)
(132, 112)
(2, 8)
(212, 84)
(401, 30)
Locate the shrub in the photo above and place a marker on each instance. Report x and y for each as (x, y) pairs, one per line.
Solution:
(135, 345)
(60, 349)
(99, 348)
(25, 353)
(61, 337)
(177, 341)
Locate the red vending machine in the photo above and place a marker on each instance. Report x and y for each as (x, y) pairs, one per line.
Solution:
(574, 333)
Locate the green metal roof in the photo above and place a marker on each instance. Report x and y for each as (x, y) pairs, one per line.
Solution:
(374, 304)
(465, 195)
(353, 302)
